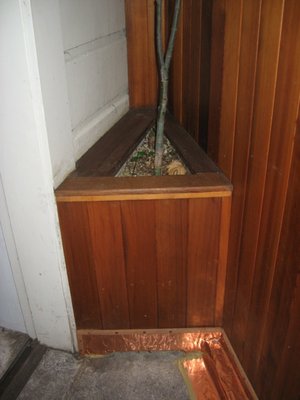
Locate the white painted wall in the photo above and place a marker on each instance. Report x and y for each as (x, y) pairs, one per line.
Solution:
(63, 82)
(52, 73)
(11, 316)
(27, 175)
(96, 67)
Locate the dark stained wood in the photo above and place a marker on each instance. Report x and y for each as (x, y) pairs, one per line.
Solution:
(141, 236)
(176, 69)
(281, 347)
(171, 246)
(81, 270)
(108, 256)
(284, 116)
(244, 115)
(141, 262)
(205, 75)
(262, 297)
(192, 13)
(107, 155)
(267, 64)
(141, 53)
(202, 264)
(216, 77)
(222, 262)
(254, 94)
(189, 81)
(138, 264)
(230, 83)
(206, 184)
(195, 158)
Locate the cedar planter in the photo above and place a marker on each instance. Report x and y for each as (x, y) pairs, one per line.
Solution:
(144, 252)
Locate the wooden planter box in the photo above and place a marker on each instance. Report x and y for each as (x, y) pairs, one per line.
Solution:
(145, 252)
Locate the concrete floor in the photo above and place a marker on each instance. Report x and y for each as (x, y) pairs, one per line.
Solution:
(11, 344)
(126, 376)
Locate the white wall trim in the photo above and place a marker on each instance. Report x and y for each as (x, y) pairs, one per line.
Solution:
(85, 48)
(93, 128)
(33, 215)
(15, 264)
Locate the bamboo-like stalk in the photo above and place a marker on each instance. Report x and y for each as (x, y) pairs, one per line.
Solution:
(164, 65)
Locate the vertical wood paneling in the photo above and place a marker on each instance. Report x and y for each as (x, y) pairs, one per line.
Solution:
(108, 255)
(146, 264)
(140, 259)
(78, 253)
(244, 115)
(171, 239)
(231, 65)
(216, 77)
(222, 262)
(262, 294)
(189, 77)
(284, 117)
(254, 91)
(282, 329)
(203, 253)
(192, 15)
(266, 76)
(176, 69)
(205, 75)
(142, 73)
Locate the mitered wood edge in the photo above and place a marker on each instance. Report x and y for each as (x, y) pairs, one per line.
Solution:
(147, 188)
(94, 180)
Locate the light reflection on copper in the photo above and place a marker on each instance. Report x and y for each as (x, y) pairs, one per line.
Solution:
(212, 373)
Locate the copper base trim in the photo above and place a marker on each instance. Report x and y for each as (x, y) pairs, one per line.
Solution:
(210, 366)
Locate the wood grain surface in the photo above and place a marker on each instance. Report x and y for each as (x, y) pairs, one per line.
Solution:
(255, 146)
(189, 81)
(145, 264)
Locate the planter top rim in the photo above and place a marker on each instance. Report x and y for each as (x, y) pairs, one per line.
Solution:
(96, 169)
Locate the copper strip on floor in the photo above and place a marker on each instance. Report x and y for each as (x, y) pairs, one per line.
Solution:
(208, 364)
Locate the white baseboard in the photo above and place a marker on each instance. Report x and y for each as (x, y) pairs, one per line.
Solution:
(93, 128)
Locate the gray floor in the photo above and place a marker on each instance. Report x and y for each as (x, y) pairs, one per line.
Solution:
(11, 343)
(126, 376)
(134, 376)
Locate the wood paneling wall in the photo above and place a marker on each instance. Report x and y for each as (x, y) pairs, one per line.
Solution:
(190, 70)
(253, 110)
(253, 141)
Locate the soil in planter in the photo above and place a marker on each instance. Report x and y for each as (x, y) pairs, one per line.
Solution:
(141, 161)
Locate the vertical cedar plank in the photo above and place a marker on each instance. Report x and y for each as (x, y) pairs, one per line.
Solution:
(108, 253)
(216, 74)
(187, 48)
(280, 359)
(194, 69)
(267, 66)
(171, 239)
(176, 70)
(246, 89)
(222, 264)
(205, 65)
(80, 266)
(139, 242)
(142, 73)
(202, 265)
(283, 133)
(234, 9)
